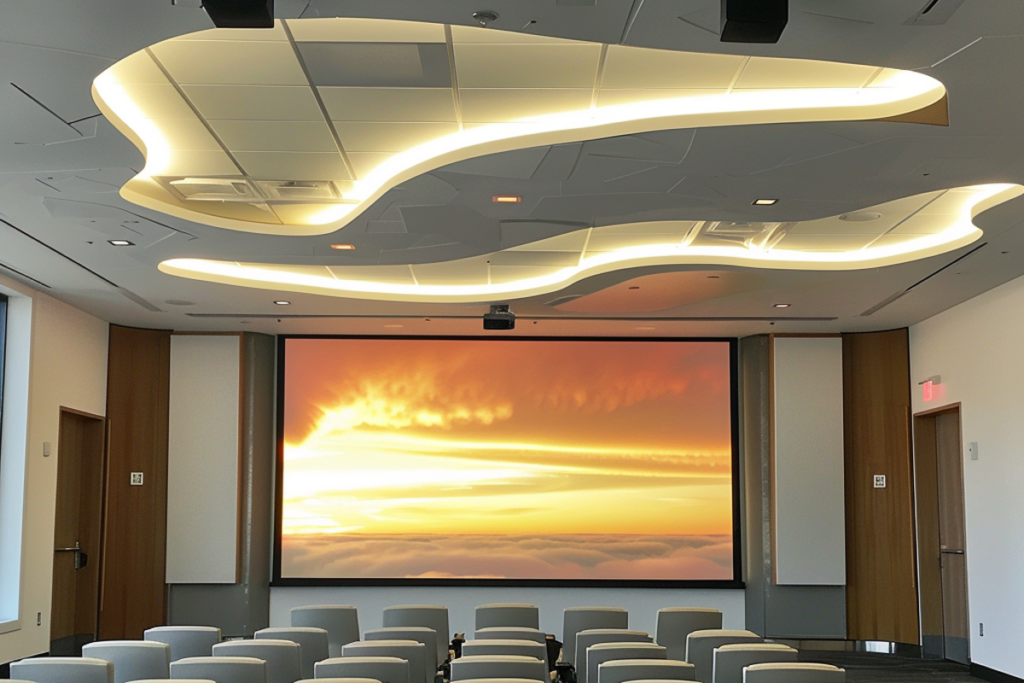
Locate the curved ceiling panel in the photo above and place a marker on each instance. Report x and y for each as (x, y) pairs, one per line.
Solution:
(887, 234)
(296, 130)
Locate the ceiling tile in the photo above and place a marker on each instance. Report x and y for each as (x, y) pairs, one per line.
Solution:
(632, 67)
(246, 34)
(612, 242)
(392, 65)
(293, 165)
(679, 228)
(950, 202)
(275, 136)
(769, 72)
(922, 224)
(188, 135)
(230, 63)
(466, 272)
(389, 104)
(824, 242)
(255, 102)
(159, 101)
(572, 241)
(503, 274)
(200, 164)
(368, 136)
(527, 66)
(609, 98)
(497, 105)
(893, 240)
(140, 69)
(400, 275)
(366, 31)
(364, 162)
(559, 259)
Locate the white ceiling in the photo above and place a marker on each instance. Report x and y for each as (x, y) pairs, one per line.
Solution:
(61, 166)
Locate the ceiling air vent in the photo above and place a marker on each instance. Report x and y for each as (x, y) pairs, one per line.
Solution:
(299, 190)
(213, 189)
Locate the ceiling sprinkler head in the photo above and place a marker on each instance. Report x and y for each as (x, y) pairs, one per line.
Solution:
(485, 17)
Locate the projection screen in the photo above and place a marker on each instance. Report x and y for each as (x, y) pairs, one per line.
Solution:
(519, 461)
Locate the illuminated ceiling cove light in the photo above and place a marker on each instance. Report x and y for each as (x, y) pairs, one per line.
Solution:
(297, 129)
(343, 247)
(506, 199)
(765, 202)
(911, 228)
(782, 305)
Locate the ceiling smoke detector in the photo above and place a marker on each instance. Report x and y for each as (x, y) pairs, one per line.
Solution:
(485, 17)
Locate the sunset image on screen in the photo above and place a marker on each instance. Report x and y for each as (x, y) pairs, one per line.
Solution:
(453, 458)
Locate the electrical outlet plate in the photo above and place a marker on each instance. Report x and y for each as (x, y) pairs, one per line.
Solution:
(879, 481)
(136, 479)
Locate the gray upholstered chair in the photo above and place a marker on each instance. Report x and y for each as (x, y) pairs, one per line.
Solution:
(498, 666)
(507, 614)
(63, 670)
(622, 670)
(313, 644)
(221, 669)
(605, 652)
(420, 634)
(700, 648)
(410, 650)
(283, 657)
(730, 660)
(576, 619)
(132, 659)
(793, 672)
(185, 641)
(383, 669)
(675, 623)
(429, 616)
(340, 621)
(590, 637)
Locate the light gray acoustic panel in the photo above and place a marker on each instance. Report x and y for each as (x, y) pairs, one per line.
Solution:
(378, 65)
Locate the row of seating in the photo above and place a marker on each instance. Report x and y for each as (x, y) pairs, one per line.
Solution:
(411, 649)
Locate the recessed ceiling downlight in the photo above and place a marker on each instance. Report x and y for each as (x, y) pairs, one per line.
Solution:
(765, 202)
(343, 247)
(782, 305)
(121, 243)
(860, 217)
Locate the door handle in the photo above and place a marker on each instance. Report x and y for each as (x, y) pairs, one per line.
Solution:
(951, 552)
(81, 558)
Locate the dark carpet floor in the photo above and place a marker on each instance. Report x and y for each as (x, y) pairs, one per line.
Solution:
(862, 667)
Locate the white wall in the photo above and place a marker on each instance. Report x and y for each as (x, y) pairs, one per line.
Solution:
(67, 368)
(642, 603)
(978, 350)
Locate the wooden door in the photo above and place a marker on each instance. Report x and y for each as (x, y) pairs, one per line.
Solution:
(78, 521)
(952, 537)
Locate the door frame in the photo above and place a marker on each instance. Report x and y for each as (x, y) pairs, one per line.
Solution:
(932, 644)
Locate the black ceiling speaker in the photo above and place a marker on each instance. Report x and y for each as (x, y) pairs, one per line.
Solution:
(753, 21)
(240, 13)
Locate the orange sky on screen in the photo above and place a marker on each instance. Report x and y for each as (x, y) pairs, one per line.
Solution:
(507, 437)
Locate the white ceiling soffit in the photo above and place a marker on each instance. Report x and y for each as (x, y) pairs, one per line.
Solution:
(298, 129)
(892, 233)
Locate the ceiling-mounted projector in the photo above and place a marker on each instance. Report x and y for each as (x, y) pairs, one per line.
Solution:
(754, 21)
(240, 13)
(501, 317)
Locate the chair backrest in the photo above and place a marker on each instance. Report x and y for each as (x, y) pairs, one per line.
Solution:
(621, 670)
(430, 616)
(221, 669)
(576, 619)
(410, 650)
(507, 614)
(283, 657)
(164, 680)
(675, 623)
(511, 633)
(339, 680)
(495, 646)
(793, 672)
(730, 660)
(606, 652)
(132, 659)
(383, 669)
(64, 670)
(185, 641)
(700, 648)
(313, 644)
(420, 634)
(340, 621)
(590, 637)
(498, 666)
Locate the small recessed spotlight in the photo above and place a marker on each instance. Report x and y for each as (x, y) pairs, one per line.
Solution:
(121, 243)
(343, 247)
(764, 202)
(506, 199)
(782, 305)
(283, 303)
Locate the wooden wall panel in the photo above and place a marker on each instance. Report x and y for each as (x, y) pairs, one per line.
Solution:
(881, 593)
(132, 593)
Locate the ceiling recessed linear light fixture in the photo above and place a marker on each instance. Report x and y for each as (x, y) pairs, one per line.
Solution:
(125, 105)
(953, 232)
(120, 243)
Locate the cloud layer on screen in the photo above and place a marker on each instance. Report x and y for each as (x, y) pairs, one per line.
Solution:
(602, 557)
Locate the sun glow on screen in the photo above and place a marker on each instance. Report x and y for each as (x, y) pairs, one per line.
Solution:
(459, 458)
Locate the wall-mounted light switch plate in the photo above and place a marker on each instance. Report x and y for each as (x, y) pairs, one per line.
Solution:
(46, 449)
(136, 479)
(972, 450)
(879, 481)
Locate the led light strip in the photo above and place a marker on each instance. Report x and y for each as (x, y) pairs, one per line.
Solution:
(959, 232)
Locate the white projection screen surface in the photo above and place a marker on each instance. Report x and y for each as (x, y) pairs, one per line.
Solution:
(538, 462)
